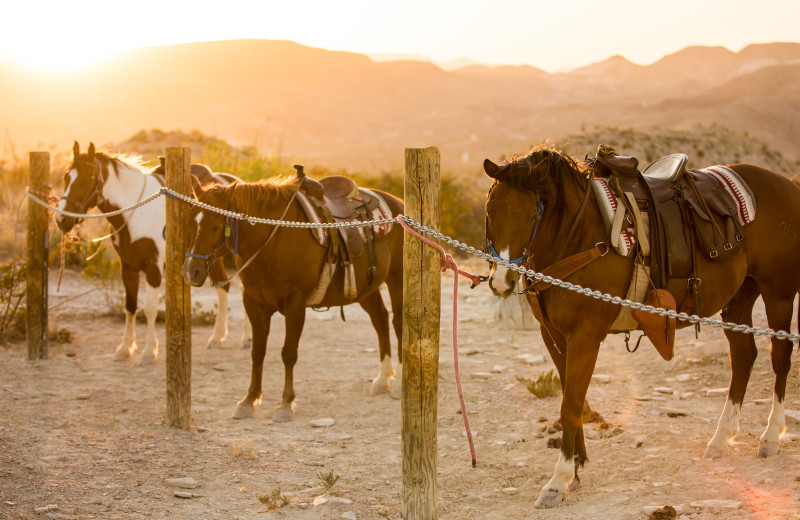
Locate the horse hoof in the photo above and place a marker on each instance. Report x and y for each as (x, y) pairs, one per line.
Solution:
(282, 415)
(243, 410)
(247, 344)
(397, 390)
(573, 486)
(121, 355)
(548, 499)
(379, 388)
(213, 344)
(767, 449)
(712, 452)
(146, 360)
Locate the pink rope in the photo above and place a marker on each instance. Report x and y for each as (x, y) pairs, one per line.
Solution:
(449, 263)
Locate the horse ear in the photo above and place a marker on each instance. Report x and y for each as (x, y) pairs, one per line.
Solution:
(197, 189)
(490, 168)
(76, 150)
(91, 151)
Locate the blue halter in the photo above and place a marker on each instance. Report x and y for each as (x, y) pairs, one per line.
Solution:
(222, 243)
(527, 250)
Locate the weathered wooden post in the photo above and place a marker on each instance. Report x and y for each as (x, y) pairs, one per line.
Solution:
(38, 248)
(421, 311)
(178, 300)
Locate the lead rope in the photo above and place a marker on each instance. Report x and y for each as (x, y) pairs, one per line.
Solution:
(449, 263)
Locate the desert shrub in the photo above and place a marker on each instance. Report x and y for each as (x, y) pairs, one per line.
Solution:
(328, 480)
(275, 500)
(546, 384)
(12, 296)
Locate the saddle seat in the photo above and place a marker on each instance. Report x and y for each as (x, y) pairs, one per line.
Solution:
(339, 199)
(676, 214)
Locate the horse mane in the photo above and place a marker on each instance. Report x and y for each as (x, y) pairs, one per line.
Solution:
(545, 169)
(115, 159)
(248, 197)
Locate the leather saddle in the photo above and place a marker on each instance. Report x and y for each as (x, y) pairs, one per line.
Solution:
(339, 199)
(203, 173)
(688, 213)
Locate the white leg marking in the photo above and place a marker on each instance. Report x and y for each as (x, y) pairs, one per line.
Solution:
(553, 492)
(247, 332)
(385, 372)
(128, 345)
(776, 427)
(397, 383)
(727, 428)
(221, 322)
(150, 354)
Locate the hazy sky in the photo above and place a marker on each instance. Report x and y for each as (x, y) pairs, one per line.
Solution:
(553, 35)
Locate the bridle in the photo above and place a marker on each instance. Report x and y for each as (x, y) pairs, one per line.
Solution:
(95, 193)
(231, 228)
(525, 252)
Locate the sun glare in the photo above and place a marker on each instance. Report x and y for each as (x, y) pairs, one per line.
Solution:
(56, 59)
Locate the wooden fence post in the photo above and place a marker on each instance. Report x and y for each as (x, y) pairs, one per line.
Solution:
(421, 312)
(38, 250)
(178, 300)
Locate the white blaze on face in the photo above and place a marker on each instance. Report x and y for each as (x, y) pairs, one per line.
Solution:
(500, 275)
(62, 204)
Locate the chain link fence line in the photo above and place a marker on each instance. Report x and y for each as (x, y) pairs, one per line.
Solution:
(528, 273)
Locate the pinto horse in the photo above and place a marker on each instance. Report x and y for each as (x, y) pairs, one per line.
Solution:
(112, 182)
(532, 203)
(280, 268)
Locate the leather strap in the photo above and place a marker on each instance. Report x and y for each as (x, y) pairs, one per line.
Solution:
(569, 265)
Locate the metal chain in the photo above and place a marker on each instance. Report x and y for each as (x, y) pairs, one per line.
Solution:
(533, 275)
(284, 223)
(93, 215)
(529, 273)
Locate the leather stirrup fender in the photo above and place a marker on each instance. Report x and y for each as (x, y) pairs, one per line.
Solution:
(660, 330)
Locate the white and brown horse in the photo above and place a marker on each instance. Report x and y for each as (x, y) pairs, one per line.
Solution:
(112, 182)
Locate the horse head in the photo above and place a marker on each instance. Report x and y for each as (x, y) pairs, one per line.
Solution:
(515, 208)
(208, 231)
(83, 184)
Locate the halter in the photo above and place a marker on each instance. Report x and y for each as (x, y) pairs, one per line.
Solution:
(525, 252)
(227, 233)
(96, 192)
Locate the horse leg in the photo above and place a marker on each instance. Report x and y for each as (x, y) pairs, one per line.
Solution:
(220, 331)
(394, 282)
(373, 305)
(130, 279)
(580, 361)
(150, 354)
(779, 316)
(247, 329)
(743, 355)
(295, 313)
(260, 318)
(560, 361)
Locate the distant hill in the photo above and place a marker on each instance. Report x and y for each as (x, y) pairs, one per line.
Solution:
(344, 110)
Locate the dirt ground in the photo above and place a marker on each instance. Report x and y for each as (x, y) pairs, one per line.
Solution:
(84, 437)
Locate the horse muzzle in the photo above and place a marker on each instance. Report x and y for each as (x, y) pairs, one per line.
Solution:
(195, 271)
(65, 224)
(502, 282)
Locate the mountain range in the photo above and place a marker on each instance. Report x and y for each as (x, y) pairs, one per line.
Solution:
(345, 111)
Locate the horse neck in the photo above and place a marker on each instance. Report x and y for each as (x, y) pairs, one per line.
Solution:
(252, 236)
(555, 226)
(123, 183)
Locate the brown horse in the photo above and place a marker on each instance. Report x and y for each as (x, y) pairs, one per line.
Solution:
(284, 273)
(535, 199)
(112, 182)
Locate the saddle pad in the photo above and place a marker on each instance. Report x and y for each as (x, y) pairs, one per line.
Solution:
(607, 202)
(737, 189)
(381, 212)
